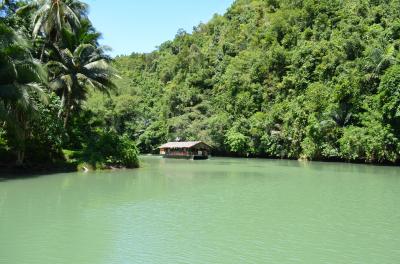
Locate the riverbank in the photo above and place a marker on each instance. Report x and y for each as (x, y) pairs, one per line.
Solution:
(72, 161)
(29, 171)
(330, 160)
(32, 170)
(72, 164)
(322, 159)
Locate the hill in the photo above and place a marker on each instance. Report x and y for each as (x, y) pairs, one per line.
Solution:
(290, 79)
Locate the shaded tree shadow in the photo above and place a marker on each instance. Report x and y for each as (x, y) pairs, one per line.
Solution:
(9, 173)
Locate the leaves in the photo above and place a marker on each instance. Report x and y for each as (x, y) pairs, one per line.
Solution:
(276, 79)
(39, 95)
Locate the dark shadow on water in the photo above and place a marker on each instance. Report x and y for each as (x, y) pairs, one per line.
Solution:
(8, 173)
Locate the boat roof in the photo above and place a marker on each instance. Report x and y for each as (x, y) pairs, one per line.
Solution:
(183, 144)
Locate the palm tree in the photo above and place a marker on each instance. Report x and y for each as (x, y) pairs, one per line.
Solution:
(74, 71)
(51, 17)
(84, 34)
(20, 87)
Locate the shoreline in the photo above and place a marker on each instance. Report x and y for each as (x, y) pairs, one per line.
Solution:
(359, 162)
(37, 170)
(8, 172)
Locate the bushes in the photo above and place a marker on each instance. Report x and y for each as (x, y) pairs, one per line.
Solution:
(374, 143)
(95, 144)
(389, 96)
(377, 139)
(5, 155)
(127, 152)
(47, 133)
(105, 148)
(152, 137)
(3, 139)
(237, 142)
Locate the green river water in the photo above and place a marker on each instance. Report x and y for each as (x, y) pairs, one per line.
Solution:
(216, 211)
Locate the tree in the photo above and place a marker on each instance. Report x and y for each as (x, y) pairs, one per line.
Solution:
(288, 79)
(389, 96)
(52, 16)
(21, 79)
(76, 70)
(69, 61)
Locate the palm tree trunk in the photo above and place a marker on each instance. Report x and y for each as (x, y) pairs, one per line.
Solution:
(22, 139)
(42, 53)
(66, 118)
(67, 110)
(20, 157)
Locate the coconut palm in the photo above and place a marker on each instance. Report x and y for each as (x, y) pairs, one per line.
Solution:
(51, 16)
(20, 86)
(74, 71)
(84, 34)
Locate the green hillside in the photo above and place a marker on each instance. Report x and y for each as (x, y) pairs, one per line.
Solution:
(289, 79)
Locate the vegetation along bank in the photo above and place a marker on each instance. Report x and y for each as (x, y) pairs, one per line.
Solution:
(317, 80)
(50, 60)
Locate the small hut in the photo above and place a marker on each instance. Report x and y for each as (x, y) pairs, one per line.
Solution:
(185, 150)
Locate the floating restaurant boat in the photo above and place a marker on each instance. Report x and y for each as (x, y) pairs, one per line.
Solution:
(196, 150)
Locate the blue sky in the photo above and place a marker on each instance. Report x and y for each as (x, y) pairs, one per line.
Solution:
(139, 26)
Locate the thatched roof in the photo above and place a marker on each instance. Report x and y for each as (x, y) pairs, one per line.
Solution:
(187, 144)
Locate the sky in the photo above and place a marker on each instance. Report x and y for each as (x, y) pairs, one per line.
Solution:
(142, 25)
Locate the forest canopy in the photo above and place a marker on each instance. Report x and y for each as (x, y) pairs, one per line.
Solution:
(318, 80)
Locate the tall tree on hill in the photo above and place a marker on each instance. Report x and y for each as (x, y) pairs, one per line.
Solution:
(51, 17)
(74, 58)
(20, 87)
(75, 70)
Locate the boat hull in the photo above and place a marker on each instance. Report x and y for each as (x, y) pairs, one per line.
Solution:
(189, 157)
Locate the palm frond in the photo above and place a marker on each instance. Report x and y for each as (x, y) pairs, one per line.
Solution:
(99, 65)
(57, 65)
(71, 16)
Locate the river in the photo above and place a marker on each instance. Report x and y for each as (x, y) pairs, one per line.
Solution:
(220, 210)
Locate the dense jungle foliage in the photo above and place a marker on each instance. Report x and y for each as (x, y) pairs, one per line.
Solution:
(308, 79)
(316, 80)
(50, 59)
